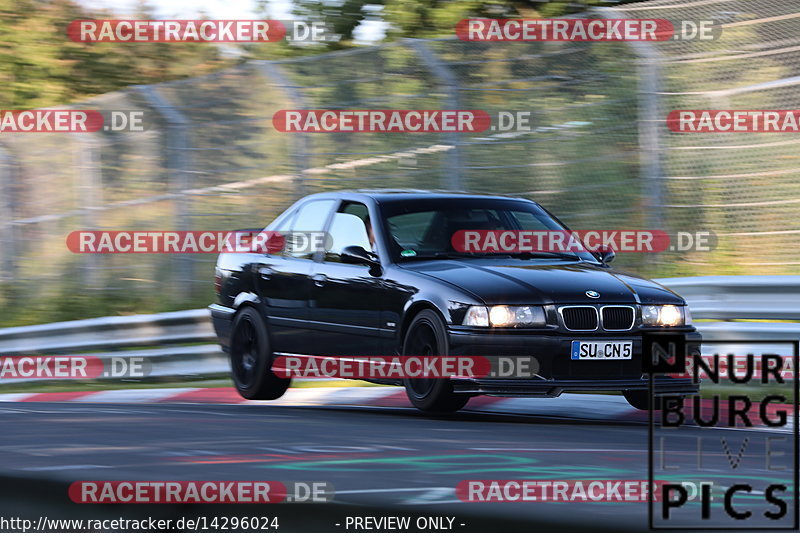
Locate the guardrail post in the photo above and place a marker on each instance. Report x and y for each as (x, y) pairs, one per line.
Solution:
(272, 71)
(178, 162)
(448, 83)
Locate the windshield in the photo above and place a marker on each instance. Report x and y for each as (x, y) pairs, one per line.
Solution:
(425, 229)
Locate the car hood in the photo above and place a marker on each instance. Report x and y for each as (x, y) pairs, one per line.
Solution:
(525, 282)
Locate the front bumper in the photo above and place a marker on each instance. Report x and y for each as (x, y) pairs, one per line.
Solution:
(555, 371)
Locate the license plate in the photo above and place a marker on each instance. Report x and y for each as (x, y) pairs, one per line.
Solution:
(601, 350)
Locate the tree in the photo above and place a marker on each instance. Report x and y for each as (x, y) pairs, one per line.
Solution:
(40, 66)
(427, 18)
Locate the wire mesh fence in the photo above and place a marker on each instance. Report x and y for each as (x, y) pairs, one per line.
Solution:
(598, 154)
(743, 186)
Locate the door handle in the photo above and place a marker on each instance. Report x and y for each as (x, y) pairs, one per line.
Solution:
(319, 279)
(265, 272)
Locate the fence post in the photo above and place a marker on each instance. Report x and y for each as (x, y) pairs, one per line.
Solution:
(178, 162)
(651, 122)
(8, 244)
(88, 192)
(273, 73)
(453, 171)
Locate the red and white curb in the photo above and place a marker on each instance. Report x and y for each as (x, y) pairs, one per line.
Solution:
(599, 407)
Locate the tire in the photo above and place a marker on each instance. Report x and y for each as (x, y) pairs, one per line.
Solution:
(639, 399)
(427, 336)
(251, 358)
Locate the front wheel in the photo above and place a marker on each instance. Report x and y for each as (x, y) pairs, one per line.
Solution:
(428, 336)
(251, 359)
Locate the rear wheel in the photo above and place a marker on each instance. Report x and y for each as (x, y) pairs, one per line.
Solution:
(428, 336)
(251, 358)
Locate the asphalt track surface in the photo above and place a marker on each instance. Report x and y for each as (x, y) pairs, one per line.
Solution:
(393, 459)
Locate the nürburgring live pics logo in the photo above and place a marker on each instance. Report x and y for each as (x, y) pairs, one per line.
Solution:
(728, 461)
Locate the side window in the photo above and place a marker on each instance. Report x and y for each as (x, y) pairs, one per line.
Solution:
(350, 226)
(310, 217)
(359, 210)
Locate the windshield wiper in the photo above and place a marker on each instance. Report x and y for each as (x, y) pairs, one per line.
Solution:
(447, 255)
(531, 255)
(435, 255)
(483, 255)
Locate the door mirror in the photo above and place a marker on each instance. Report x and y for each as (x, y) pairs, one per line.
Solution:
(356, 255)
(607, 255)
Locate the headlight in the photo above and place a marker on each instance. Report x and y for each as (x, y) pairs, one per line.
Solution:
(505, 316)
(665, 315)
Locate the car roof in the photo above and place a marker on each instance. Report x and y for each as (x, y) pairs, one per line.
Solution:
(406, 194)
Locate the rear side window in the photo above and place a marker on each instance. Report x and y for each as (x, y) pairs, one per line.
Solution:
(310, 216)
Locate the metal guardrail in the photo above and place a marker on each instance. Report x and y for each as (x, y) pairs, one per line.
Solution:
(183, 343)
(159, 336)
(740, 297)
(111, 332)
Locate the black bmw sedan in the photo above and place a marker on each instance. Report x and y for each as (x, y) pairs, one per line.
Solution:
(387, 280)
